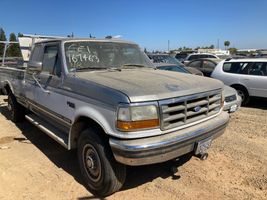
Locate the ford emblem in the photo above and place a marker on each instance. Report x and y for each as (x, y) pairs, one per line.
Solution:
(197, 108)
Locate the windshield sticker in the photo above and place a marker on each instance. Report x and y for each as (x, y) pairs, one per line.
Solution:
(79, 55)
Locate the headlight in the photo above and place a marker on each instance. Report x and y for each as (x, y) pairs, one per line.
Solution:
(137, 117)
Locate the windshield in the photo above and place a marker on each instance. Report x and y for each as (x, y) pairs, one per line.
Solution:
(104, 55)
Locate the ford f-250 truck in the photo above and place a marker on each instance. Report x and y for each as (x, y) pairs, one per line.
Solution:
(105, 98)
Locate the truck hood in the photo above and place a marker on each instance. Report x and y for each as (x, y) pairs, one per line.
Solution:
(149, 84)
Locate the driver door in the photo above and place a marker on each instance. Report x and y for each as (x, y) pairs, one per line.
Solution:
(50, 102)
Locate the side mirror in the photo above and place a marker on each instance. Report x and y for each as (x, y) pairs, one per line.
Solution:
(34, 67)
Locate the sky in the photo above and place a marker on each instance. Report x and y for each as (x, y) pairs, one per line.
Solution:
(150, 24)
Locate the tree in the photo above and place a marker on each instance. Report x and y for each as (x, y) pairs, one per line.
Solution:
(226, 43)
(13, 50)
(2, 38)
(71, 36)
(233, 51)
(145, 50)
(20, 35)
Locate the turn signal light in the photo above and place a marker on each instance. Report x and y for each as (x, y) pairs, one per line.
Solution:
(136, 125)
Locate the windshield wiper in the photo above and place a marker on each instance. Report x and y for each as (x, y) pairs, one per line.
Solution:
(95, 68)
(132, 65)
(91, 68)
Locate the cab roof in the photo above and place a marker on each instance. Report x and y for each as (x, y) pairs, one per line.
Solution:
(85, 39)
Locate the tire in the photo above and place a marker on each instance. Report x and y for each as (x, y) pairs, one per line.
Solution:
(17, 111)
(243, 93)
(101, 173)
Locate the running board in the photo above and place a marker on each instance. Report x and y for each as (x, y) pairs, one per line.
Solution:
(51, 131)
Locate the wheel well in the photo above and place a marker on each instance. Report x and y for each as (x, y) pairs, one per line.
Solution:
(238, 86)
(6, 89)
(81, 124)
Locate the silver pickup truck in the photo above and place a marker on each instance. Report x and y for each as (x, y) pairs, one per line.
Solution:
(105, 98)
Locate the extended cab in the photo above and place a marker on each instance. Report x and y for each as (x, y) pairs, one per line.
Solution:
(105, 98)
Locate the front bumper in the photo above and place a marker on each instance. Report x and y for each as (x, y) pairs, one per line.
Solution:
(168, 146)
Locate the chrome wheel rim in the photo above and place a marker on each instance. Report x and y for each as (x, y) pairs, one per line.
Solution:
(91, 162)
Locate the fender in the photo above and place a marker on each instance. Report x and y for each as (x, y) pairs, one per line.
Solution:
(101, 118)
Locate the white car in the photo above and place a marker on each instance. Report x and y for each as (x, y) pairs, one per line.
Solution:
(247, 76)
(195, 56)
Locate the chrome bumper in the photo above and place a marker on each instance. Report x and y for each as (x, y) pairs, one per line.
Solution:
(168, 146)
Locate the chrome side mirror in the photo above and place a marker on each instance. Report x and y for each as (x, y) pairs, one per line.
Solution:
(34, 67)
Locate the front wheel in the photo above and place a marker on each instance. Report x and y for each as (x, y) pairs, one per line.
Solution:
(102, 174)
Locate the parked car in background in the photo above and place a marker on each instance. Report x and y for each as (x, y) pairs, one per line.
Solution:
(181, 56)
(247, 76)
(171, 67)
(195, 56)
(205, 65)
(165, 58)
(232, 100)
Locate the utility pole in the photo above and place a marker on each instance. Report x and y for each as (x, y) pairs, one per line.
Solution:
(168, 45)
(218, 43)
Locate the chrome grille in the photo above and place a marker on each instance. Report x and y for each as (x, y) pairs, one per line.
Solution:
(185, 110)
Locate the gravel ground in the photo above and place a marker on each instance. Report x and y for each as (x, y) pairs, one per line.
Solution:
(33, 166)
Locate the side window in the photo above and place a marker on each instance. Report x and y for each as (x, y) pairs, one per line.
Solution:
(208, 65)
(195, 64)
(211, 56)
(203, 56)
(236, 67)
(37, 53)
(51, 62)
(264, 69)
(257, 69)
(193, 57)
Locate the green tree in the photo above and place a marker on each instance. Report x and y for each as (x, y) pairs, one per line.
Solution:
(20, 35)
(226, 44)
(233, 51)
(2, 38)
(13, 50)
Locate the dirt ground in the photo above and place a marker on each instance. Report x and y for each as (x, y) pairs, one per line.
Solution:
(33, 166)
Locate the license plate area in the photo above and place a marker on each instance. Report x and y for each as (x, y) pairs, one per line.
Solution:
(203, 146)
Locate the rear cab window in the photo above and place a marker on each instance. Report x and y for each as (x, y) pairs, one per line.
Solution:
(37, 53)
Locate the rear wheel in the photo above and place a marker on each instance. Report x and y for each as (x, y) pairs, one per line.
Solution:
(17, 111)
(102, 174)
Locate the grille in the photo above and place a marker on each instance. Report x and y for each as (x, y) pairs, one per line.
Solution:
(185, 110)
(230, 98)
